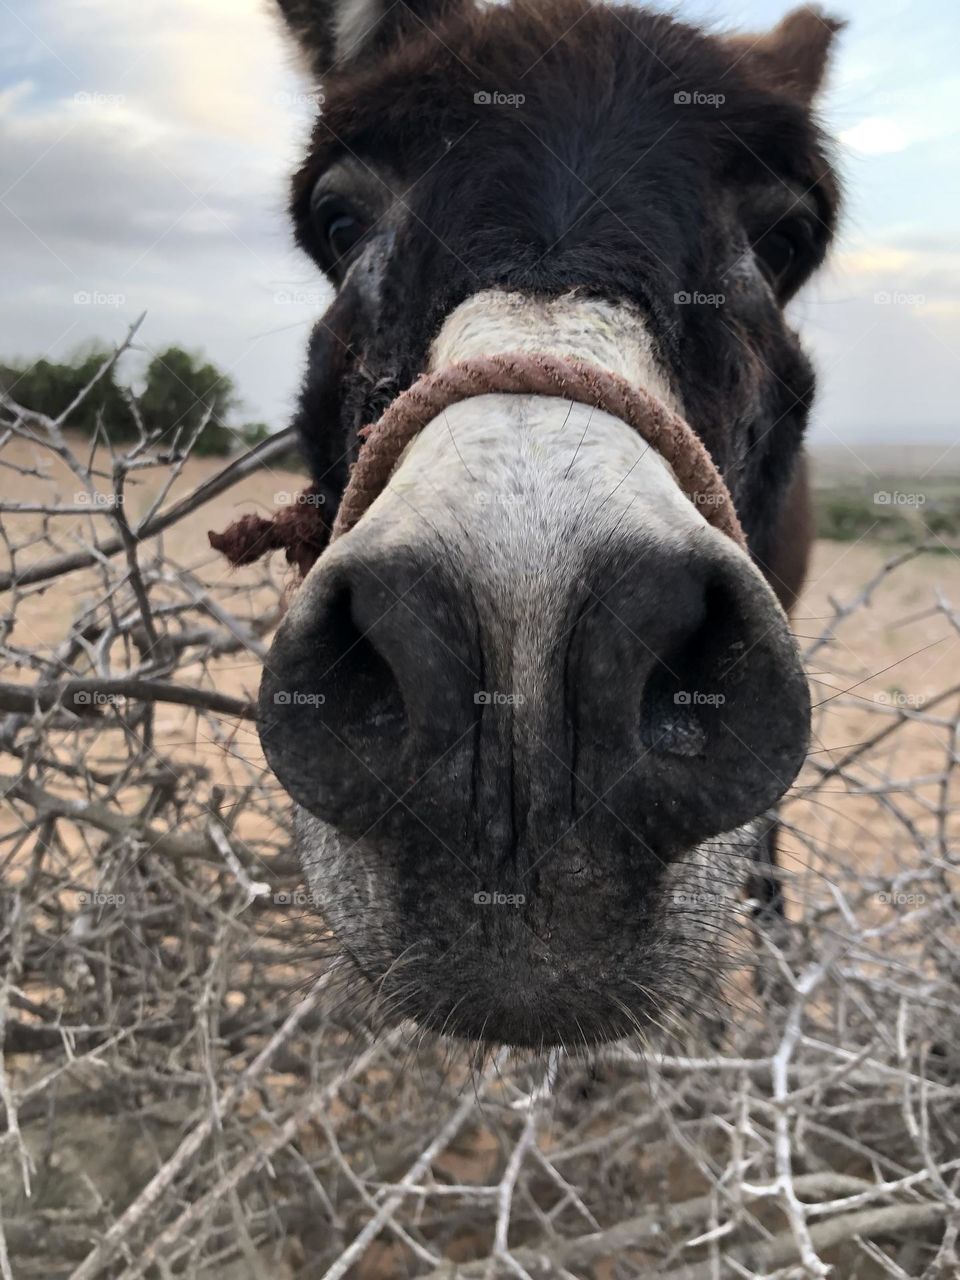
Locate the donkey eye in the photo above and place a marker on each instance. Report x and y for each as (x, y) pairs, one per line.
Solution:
(777, 251)
(339, 226)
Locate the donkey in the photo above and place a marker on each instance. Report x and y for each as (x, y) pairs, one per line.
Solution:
(535, 708)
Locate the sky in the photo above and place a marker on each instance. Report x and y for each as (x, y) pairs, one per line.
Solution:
(145, 149)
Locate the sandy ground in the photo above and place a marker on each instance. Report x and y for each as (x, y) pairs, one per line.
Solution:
(890, 656)
(891, 659)
(44, 612)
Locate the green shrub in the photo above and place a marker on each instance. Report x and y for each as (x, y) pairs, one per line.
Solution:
(180, 389)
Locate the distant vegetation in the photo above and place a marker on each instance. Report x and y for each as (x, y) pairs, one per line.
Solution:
(180, 388)
(899, 510)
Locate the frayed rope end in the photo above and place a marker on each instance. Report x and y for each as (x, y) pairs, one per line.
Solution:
(300, 530)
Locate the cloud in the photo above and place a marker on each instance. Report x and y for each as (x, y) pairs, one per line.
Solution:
(884, 324)
(896, 119)
(152, 175)
(145, 151)
(876, 135)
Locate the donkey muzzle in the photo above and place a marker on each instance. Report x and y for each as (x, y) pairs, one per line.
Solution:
(532, 629)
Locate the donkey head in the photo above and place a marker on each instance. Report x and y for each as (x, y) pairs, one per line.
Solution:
(530, 705)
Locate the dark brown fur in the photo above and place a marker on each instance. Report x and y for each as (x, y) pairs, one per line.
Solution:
(650, 164)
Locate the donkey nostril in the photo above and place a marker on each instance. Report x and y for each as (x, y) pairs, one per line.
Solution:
(685, 692)
(690, 691)
(359, 684)
(332, 716)
(366, 687)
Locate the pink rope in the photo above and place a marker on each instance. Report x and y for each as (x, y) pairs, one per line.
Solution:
(304, 532)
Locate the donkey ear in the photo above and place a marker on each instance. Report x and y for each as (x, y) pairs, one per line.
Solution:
(793, 56)
(339, 33)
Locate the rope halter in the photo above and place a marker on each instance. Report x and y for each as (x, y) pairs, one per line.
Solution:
(303, 531)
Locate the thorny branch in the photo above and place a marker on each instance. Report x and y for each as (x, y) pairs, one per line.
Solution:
(192, 1082)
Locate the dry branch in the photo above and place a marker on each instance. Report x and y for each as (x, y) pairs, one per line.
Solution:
(194, 1085)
